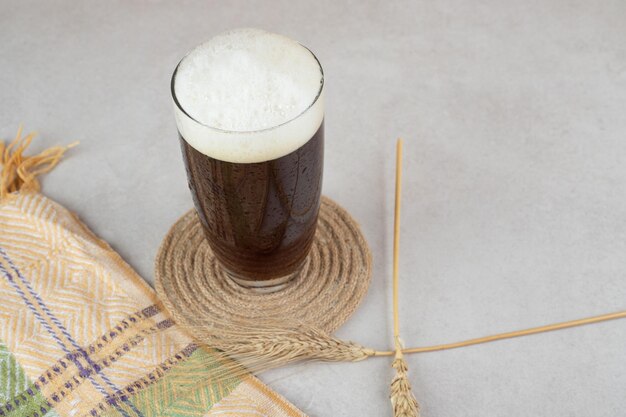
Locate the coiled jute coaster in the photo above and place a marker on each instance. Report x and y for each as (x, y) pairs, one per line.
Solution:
(329, 288)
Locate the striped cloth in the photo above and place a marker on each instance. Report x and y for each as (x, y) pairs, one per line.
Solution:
(81, 334)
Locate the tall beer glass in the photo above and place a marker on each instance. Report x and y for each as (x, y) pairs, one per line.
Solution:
(249, 107)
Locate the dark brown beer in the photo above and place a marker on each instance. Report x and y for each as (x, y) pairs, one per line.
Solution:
(259, 218)
(249, 107)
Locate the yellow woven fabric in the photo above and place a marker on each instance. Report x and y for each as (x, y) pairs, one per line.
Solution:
(81, 334)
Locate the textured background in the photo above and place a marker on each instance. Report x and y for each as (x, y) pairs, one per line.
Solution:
(515, 194)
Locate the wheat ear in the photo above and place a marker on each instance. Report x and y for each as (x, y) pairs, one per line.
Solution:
(403, 402)
(242, 349)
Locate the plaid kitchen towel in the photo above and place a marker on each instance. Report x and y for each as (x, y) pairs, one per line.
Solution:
(81, 334)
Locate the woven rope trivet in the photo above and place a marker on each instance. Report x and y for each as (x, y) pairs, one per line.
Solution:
(329, 288)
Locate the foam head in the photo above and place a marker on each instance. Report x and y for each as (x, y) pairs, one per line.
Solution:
(248, 96)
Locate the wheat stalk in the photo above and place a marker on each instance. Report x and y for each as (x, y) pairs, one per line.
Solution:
(273, 343)
(403, 401)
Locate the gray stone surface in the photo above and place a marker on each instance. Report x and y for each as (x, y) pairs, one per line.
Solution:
(515, 194)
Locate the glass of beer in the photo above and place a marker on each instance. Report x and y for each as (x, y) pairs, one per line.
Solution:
(249, 107)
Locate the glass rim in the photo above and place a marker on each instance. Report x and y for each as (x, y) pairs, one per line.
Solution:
(266, 129)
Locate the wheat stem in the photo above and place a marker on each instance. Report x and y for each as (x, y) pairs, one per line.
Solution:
(396, 241)
(508, 335)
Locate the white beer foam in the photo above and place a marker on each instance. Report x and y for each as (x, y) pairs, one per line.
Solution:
(248, 96)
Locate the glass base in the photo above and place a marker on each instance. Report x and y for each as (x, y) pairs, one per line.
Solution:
(266, 286)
